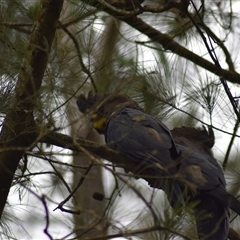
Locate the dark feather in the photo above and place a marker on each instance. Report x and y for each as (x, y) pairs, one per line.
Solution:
(212, 218)
(207, 185)
(147, 142)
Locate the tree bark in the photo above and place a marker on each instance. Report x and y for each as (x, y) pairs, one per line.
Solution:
(16, 137)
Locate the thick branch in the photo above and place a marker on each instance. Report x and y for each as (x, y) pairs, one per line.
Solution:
(168, 43)
(19, 123)
(102, 151)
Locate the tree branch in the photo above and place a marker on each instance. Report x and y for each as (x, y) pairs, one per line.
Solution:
(19, 123)
(168, 43)
(102, 151)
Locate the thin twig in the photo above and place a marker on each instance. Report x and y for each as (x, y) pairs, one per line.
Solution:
(43, 200)
(213, 55)
(230, 144)
(84, 68)
(60, 206)
(138, 232)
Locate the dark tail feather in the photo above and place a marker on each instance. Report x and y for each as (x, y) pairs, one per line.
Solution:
(225, 198)
(212, 219)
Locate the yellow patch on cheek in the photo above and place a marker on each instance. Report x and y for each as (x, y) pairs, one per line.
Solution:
(99, 123)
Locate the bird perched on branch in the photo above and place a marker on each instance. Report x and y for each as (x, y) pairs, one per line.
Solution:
(183, 169)
(138, 136)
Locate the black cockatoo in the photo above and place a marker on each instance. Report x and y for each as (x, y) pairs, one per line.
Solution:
(184, 168)
(208, 178)
(138, 136)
